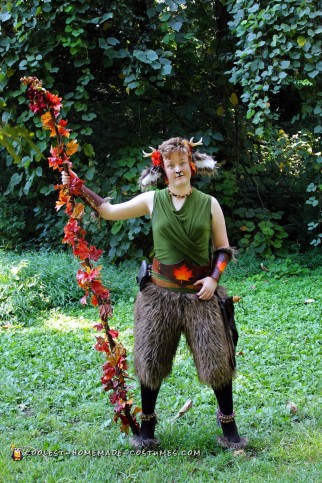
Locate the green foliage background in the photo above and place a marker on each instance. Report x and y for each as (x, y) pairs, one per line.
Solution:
(244, 75)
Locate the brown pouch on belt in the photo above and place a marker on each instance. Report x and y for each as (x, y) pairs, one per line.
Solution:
(144, 275)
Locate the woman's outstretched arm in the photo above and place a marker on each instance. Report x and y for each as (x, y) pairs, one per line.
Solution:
(138, 206)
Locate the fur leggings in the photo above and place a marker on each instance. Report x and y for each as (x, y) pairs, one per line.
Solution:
(161, 316)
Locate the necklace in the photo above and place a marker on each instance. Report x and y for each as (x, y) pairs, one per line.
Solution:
(181, 196)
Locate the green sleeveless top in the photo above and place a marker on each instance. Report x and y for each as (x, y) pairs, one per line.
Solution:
(183, 234)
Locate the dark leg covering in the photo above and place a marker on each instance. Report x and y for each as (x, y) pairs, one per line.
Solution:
(145, 438)
(230, 438)
(148, 398)
(224, 397)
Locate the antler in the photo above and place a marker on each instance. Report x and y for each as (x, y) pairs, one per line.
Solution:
(148, 155)
(192, 144)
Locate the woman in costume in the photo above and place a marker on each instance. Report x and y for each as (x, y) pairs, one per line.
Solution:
(182, 295)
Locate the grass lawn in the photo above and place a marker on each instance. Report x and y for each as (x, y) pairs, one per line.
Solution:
(52, 403)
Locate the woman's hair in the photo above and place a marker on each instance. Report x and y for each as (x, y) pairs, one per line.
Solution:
(155, 175)
(174, 145)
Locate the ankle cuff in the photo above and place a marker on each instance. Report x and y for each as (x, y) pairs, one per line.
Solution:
(225, 418)
(148, 417)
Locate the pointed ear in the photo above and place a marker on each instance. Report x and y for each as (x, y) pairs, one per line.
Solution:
(150, 176)
(205, 164)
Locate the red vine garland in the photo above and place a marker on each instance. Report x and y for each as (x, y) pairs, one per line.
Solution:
(48, 106)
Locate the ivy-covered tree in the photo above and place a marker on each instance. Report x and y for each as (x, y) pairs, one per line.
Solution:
(278, 67)
(132, 73)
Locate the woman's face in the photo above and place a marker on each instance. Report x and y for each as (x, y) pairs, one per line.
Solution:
(177, 168)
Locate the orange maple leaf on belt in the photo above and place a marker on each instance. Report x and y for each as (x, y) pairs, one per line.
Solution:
(182, 273)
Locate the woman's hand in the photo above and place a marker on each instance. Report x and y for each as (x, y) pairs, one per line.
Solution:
(209, 286)
(67, 177)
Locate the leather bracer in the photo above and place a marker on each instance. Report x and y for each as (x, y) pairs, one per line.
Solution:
(90, 198)
(222, 257)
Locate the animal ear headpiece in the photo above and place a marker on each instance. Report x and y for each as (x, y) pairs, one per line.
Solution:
(154, 174)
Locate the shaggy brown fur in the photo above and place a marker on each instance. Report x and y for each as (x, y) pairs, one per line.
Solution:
(139, 443)
(225, 443)
(160, 317)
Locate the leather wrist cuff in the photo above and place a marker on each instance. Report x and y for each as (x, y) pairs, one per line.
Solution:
(90, 198)
(221, 259)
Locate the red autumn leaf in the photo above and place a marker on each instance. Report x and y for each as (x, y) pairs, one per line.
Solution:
(119, 407)
(38, 106)
(100, 291)
(61, 126)
(56, 150)
(108, 374)
(36, 95)
(98, 327)
(85, 277)
(54, 102)
(108, 363)
(124, 419)
(55, 163)
(114, 397)
(101, 345)
(69, 208)
(82, 278)
(119, 397)
(100, 339)
(75, 186)
(105, 311)
(123, 395)
(55, 160)
(69, 238)
(72, 226)
(122, 364)
(182, 273)
(94, 301)
(71, 230)
(113, 333)
(94, 253)
(95, 272)
(81, 249)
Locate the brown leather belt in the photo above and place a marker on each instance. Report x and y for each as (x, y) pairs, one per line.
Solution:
(179, 275)
(166, 284)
